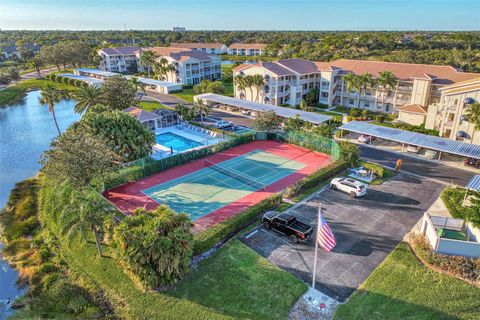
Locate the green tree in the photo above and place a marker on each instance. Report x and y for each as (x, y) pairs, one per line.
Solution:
(201, 108)
(258, 82)
(349, 80)
(162, 69)
(86, 212)
(303, 105)
(36, 63)
(155, 246)
(240, 83)
(122, 133)
(78, 157)
(294, 124)
(137, 84)
(118, 93)
(387, 80)
(349, 153)
(267, 121)
(87, 97)
(50, 96)
(312, 97)
(148, 59)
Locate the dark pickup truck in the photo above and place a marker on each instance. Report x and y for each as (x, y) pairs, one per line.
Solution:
(288, 225)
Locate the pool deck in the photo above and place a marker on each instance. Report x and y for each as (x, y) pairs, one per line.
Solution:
(129, 196)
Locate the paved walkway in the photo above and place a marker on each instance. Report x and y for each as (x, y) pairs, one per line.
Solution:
(166, 99)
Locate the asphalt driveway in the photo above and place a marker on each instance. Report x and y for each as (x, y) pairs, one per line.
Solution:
(366, 230)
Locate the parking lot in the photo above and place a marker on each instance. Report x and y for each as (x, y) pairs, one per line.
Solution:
(366, 231)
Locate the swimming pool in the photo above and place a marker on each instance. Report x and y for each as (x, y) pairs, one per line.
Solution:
(176, 142)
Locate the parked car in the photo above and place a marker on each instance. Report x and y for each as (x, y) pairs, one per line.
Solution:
(365, 139)
(413, 149)
(221, 124)
(472, 162)
(431, 154)
(353, 187)
(288, 225)
(245, 112)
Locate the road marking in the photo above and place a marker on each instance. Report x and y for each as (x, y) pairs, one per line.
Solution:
(251, 234)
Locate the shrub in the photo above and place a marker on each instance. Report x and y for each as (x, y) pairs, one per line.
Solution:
(78, 83)
(72, 81)
(349, 153)
(155, 246)
(465, 268)
(365, 113)
(316, 178)
(379, 171)
(211, 236)
(349, 118)
(380, 118)
(354, 112)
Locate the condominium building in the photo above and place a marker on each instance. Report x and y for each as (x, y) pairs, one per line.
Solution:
(119, 59)
(414, 84)
(191, 66)
(285, 81)
(247, 49)
(211, 48)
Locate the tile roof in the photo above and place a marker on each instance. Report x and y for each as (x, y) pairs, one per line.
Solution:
(277, 69)
(244, 66)
(141, 115)
(165, 51)
(463, 89)
(300, 66)
(195, 45)
(413, 108)
(257, 46)
(405, 71)
(120, 50)
(185, 55)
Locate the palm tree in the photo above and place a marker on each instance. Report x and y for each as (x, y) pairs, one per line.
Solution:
(87, 97)
(201, 108)
(258, 82)
(239, 81)
(249, 84)
(357, 86)
(85, 213)
(137, 84)
(367, 82)
(163, 68)
(147, 59)
(349, 80)
(473, 114)
(181, 110)
(387, 80)
(49, 96)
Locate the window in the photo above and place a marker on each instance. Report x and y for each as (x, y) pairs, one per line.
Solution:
(351, 102)
(387, 108)
(324, 95)
(367, 104)
(325, 83)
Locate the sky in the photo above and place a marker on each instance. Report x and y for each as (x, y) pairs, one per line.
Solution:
(241, 15)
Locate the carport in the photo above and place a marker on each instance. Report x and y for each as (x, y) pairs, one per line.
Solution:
(312, 117)
(404, 137)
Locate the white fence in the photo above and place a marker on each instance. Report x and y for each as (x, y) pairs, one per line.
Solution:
(469, 248)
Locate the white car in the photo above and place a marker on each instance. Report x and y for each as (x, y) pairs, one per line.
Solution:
(222, 124)
(365, 139)
(353, 187)
(413, 149)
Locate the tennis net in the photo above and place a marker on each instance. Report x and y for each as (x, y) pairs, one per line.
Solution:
(240, 177)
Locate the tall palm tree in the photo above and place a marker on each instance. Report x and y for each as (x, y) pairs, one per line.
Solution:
(87, 97)
(249, 84)
(473, 114)
(258, 82)
(137, 84)
(49, 96)
(349, 79)
(239, 81)
(201, 108)
(387, 80)
(85, 213)
(367, 82)
(357, 86)
(147, 59)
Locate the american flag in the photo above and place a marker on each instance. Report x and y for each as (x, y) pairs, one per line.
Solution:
(325, 237)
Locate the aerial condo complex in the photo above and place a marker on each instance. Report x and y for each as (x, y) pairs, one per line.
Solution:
(178, 161)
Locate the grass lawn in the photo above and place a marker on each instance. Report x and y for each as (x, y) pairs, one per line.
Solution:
(152, 105)
(403, 288)
(238, 282)
(453, 199)
(12, 94)
(234, 283)
(186, 94)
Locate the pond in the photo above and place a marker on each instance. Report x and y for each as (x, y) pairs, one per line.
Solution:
(228, 61)
(26, 129)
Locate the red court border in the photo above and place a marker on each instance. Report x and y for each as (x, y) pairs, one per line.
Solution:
(129, 196)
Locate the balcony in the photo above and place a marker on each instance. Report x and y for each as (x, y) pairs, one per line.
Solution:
(448, 124)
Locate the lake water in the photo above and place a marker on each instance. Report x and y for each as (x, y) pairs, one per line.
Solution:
(26, 129)
(227, 61)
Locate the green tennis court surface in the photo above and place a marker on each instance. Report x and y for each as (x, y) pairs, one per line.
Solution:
(207, 190)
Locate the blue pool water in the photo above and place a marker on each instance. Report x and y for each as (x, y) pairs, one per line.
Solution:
(176, 142)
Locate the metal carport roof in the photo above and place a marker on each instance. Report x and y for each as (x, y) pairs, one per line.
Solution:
(417, 139)
(474, 183)
(262, 107)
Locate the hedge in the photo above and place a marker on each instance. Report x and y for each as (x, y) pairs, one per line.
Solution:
(148, 166)
(379, 171)
(316, 178)
(211, 236)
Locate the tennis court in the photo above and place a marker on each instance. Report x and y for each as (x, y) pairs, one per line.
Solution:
(222, 185)
(219, 184)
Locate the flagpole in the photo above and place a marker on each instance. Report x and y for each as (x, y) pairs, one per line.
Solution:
(316, 248)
